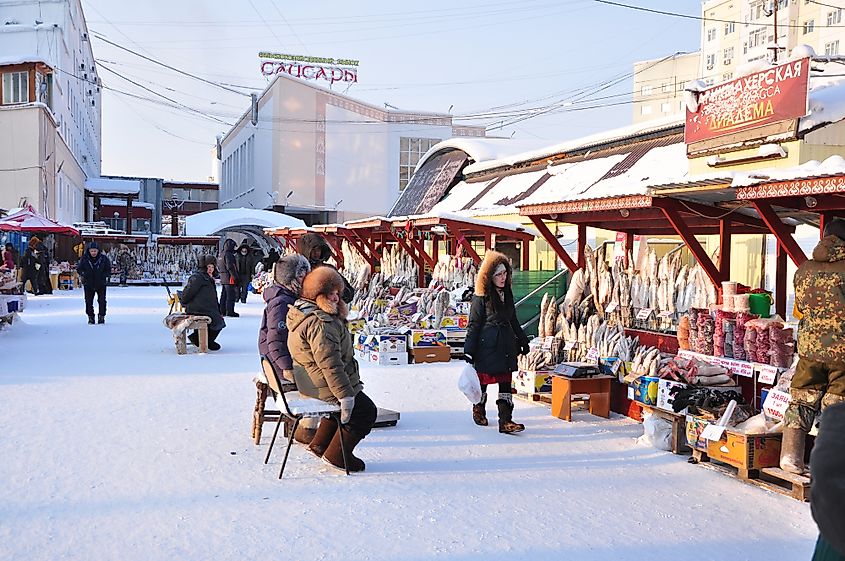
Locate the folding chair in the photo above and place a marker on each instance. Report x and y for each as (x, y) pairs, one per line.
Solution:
(293, 407)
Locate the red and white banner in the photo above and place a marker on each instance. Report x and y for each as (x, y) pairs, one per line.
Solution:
(775, 94)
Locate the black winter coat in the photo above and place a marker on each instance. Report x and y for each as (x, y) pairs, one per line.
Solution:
(199, 297)
(28, 262)
(493, 338)
(227, 264)
(273, 335)
(246, 266)
(94, 273)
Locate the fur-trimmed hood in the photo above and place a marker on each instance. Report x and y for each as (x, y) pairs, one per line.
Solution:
(311, 241)
(288, 269)
(492, 259)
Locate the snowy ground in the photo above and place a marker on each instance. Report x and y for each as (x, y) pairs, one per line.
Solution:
(114, 447)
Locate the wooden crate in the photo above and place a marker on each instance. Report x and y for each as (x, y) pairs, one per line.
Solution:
(744, 451)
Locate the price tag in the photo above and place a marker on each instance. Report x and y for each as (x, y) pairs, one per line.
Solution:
(569, 345)
(644, 313)
(768, 374)
(592, 355)
(611, 308)
(665, 314)
(615, 366)
(713, 432)
(547, 343)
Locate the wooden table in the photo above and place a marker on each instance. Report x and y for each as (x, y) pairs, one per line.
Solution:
(563, 387)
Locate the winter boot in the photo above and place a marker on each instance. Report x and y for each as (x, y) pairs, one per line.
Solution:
(792, 450)
(91, 319)
(194, 338)
(333, 455)
(479, 411)
(325, 432)
(101, 319)
(506, 424)
(305, 431)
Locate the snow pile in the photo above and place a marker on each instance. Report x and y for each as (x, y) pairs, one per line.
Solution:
(834, 165)
(98, 185)
(212, 221)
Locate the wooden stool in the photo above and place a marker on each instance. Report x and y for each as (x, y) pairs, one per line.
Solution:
(679, 426)
(260, 413)
(598, 387)
(179, 324)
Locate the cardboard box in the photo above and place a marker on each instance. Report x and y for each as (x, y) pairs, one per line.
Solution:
(664, 397)
(391, 343)
(454, 322)
(741, 450)
(432, 354)
(389, 358)
(532, 381)
(429, 338)
(645, 390)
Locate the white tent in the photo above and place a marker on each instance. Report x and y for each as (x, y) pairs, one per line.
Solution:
(212, 221)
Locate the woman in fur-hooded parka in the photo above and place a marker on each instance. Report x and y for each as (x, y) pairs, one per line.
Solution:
(288, 274)
(494, 337)
(325, 366)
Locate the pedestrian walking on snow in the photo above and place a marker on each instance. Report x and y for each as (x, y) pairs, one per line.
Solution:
(94, 270)
(494, 338)
(227, 266)
(325, 367)
(246, 268)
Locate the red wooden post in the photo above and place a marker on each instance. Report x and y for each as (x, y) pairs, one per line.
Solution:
(582, 244)
(670, 209)
(780, 282)
(781, 232)
(435, 248)
(336, 250)
(421, 251)
(526, 255)
(552, 241)
(725, 247)
(488, 242)
(823, 219)
(629, 248)
(129, 216)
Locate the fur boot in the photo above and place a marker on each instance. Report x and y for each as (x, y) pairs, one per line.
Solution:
(506, 424)
(306, 431)
(334, 456)
(325, 432)
(479, 411)
(792, 450)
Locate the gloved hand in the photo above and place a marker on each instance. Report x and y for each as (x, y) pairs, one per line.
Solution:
(524, 349)
(346, 405)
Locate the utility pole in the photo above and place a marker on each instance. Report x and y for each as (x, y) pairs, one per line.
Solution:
(776, 2)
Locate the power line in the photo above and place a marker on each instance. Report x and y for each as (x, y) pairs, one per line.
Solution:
(292, 30)
(706, 19)
(826, 5)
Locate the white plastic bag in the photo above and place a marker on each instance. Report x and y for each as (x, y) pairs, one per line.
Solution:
(657, 432)
(469, 384)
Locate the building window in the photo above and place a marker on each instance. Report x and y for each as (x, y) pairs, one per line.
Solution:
(728, 56)
(727, 76)
(711, 33)
(15, 87)
(682, 86)
(730, 27)
(645, 110)
(646, 90)
(666, 88)
(809, 26)
(756, 38)
(665, 107)
(834, 17)
(711, 61)
(831, 48)
(410, 152)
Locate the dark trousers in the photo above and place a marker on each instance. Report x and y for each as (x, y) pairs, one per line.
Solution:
(504, 387)
(243, 290)
(90, 291)
(364, 415)
(32, 277)
(228, 297)
(194, 337)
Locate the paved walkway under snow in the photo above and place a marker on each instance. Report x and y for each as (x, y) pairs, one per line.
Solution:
(114, 447)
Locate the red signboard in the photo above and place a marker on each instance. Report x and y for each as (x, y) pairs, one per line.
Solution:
(775, 94)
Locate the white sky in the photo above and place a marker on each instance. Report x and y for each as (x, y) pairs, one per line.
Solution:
(470, 56)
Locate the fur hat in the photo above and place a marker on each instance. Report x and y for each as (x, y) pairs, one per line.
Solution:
(492, 261)
(34, 241)
(835, 227)
(289, 271)
(321, 282)
(206, 260)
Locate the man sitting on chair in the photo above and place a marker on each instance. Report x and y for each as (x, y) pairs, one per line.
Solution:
(199, 298)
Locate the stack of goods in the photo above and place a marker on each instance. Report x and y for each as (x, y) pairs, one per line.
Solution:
(540, 359)
(455, 272)
(648, 361)
(728, 294)
(709, 403)
(742, 319)
(769, 342)
(695, 372)
(398, 267)
(706, 333)
(719, 334)
(684, 333)
(729, 329)
(782, 345)
(356, 269)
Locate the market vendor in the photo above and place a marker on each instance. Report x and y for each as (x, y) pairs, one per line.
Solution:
(199, 297)
(495, 338)
(9, 257)
(317, 251)
(819, 379)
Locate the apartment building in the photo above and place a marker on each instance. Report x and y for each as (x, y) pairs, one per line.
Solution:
(659, 86)
(50, 111)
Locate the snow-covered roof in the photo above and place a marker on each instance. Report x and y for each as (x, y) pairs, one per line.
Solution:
(113, 186)
(460, 195)
(468, 220)
(578, 144)
(120, 202)
(495, 201)
(20, 58)
(212, 221)
(826, 100)
(482, 149)
(832, 166)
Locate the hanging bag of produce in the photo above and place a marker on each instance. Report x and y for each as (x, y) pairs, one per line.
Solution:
(469, 384)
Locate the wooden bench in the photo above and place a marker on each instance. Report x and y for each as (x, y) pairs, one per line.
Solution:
(679, 426)
(180, 324)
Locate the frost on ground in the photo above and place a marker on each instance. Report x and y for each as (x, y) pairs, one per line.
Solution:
(114, 447)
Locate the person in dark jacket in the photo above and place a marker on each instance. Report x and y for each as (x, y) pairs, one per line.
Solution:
(30, 266)
(199, 297)
(44, 284)
(827, 468)
(227, 266)
(271, 259)
(288, 274)
(317, 251)
(245, 259)
(94, 270)
(494, 338)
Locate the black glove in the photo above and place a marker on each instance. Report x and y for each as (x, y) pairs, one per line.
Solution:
(524, 349)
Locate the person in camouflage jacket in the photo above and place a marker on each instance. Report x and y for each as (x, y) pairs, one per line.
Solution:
(819, 379)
